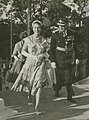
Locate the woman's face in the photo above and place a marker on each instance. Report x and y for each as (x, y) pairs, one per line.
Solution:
(36, 29)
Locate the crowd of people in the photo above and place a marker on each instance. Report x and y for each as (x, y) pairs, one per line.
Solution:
(36, 66)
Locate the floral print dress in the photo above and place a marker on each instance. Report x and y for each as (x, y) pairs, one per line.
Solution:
(34, 72)
(14, 71)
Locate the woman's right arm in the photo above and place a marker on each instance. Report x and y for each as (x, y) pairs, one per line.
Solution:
(25, 51)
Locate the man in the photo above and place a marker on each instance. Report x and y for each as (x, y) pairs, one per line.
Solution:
(62, 59)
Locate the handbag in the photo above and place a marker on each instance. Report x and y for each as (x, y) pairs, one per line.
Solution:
(10, 76)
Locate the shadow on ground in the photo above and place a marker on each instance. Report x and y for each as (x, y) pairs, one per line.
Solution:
(52, 108)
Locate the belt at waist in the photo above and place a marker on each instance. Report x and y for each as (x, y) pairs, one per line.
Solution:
(64, 49)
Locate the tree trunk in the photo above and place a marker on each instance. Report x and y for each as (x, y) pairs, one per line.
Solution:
(29, 17)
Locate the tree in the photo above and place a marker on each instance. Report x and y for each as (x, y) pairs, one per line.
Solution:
(48, 11)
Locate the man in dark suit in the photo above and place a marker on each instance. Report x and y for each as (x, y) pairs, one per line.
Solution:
(62, 57)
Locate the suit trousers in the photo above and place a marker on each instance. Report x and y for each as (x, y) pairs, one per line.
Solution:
(64, 78)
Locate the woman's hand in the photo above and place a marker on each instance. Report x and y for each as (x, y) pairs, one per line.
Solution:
(46, 55)
(41, 56)
(19, 56)
(32, 56)
(16, 58)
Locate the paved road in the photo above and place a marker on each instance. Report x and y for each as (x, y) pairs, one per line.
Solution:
(52, 108)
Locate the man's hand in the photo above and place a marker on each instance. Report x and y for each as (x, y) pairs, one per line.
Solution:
(77, 61)
(53, 65)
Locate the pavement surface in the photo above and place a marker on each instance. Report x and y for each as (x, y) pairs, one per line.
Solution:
(52, 108)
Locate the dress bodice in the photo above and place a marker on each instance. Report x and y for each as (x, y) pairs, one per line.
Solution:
(36, 46)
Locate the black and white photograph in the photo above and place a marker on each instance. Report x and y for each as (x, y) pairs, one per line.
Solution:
(44, 59)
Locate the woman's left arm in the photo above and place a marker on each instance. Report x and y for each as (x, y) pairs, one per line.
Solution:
(44, 54)
(46, 47)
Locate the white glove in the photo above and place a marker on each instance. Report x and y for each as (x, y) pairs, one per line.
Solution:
(77, 61)
(53, 65)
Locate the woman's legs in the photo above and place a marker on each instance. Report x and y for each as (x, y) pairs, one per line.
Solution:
(29, 97)
(37, 100)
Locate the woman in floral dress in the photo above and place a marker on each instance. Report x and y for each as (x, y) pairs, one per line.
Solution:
(14, 71)
(33, 75)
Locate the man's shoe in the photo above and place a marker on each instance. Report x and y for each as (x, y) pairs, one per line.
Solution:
(73, 92)
(71, 100)
(56, 94)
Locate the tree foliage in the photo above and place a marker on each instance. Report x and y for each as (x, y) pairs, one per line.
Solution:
(48, 11)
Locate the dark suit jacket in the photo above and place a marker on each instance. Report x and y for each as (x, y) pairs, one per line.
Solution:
(61, 58)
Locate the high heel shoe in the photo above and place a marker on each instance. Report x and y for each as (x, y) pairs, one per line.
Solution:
(38, 112)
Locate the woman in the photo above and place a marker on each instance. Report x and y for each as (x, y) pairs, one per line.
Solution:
(14, 71)
(33, 75)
